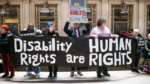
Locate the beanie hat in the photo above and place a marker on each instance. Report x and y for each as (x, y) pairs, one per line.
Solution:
(5, 27)
(48, 24)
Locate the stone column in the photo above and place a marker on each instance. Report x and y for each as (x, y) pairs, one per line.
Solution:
(142, 27)
(25, 14)
(64, 15)
(105, 10)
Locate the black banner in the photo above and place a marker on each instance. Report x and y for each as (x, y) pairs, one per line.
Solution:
(69, 51)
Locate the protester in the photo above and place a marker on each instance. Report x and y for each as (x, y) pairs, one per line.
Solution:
(52, 32)
(31, 27)
(76, 31)
(5, 52)
(147, 45)
(137, 57)
(101, 31)
(37, 69)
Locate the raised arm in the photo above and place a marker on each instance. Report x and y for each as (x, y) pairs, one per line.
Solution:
(66, 30)
(87, 27)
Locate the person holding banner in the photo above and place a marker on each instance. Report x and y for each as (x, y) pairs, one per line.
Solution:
(101, 31)
(51, 32)
(137, 57)
(5, 52)
(37, 69)
(76, 31)
(31, 27)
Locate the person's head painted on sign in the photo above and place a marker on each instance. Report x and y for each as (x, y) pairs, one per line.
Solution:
(101, 22)
(76, 25)
(4, 29)
(51, 27)
(30, 26)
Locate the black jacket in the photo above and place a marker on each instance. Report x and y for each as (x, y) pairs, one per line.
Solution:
(4, 45)
(52, 34)
(72, 33)
(147, 45)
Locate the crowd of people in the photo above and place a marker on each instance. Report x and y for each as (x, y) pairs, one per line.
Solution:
(99, 31)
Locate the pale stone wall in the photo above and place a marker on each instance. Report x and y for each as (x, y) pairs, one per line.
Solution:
(27, 8)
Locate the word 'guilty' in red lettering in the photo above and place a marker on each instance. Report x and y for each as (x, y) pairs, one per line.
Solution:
(77, 12)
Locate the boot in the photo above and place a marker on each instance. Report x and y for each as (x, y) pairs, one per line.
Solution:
(106, 74)
(50, 74)
(55, 75)
(12, 75)
(72, 74)
(136, 70)
(132, 69)
(98, 75)
(79, 72)
(5, 75)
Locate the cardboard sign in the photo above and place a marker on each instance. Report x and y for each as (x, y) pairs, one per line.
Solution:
(77, 10)
(27, 33)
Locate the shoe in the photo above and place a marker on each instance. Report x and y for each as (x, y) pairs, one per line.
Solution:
(50, 75)
(79, 72)
(106, 74)
(55, 76)
(27, 74)
(132, 69)
(5, 75)
(98, 75)
(136, 70)
(37, 75)
(71, 74)
(12, 75)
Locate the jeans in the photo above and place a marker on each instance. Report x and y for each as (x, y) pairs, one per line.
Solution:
(102, 69)
(37, 69)
(78, 68)
(51, 70)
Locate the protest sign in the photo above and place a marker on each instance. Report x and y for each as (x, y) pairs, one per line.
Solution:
(77, 10)
(69, 51)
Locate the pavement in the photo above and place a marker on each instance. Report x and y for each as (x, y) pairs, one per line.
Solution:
(89, 77)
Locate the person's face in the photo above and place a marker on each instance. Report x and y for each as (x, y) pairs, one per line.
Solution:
(149, 36)
(103, 25)
(51, 28)
(76, 25)
(3, 31)
(135, 34)
(30, 27)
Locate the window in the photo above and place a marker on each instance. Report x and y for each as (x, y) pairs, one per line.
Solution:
(43, 18)
(121, 21)
(148, 20)
(12, 19)
(91, 15)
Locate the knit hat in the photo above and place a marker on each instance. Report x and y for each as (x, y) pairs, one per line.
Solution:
(5, 27)
(48, 24)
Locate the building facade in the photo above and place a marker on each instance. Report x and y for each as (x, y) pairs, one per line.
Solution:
(23, 12)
